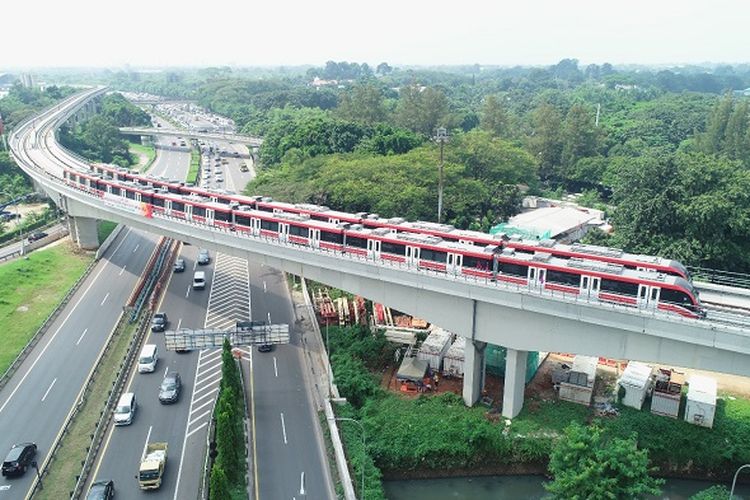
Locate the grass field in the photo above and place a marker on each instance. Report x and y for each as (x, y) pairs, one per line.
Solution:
(144, 154)
(105, 229)
(67, 464)
(195, 165)
(31, 290)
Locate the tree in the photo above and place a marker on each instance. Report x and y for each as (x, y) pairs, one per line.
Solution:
(383, 69)
(494, 118)
(579, 138)
(219, 485)
(715, 492)
(545, 142)
(712, 141)
(421, 109)
(587, 465)
(363, 104)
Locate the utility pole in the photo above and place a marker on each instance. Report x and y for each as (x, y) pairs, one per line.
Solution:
(441, 137)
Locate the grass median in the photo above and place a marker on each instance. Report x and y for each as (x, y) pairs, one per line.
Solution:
(145, 154)
(195, 165)
(105, 228)
(32, 289)
(61, 479)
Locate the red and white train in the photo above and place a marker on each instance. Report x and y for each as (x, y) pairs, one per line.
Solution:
(540, 269)
(373, 221)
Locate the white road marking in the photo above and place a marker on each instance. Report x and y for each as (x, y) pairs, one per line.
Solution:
(82, 335)
(49, 389)
(201, 406)
(302, 483)
(122, 270)
(283, 428)
(166, 370)
(206, 394)
(179, 323)
(269, 318)
(264, 287)
(145, 445)
(202, 415)
(187, 436)
(275, 368)
(195, 264)
(51, 339)
(136, 247)
(104, 299)
(188, 292)
(118, 246)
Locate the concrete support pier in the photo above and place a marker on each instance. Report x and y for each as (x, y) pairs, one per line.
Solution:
(473, 371)
(84, 230)
(515, 382)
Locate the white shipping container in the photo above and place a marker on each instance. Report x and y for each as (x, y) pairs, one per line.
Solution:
(580, 386)
(453, 361)
(434, 347)
(636, 380)
(701, 401)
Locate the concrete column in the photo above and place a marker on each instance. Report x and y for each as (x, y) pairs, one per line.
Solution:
(85, 232)
(473, 371)
(515, 382)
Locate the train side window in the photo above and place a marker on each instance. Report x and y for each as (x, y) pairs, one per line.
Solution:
(563, 278)
(269, 225)
(393, 248)
(355, 241)
(514, 269)
(620, 287)
(675, 296)
(330, 237)
(433, 255)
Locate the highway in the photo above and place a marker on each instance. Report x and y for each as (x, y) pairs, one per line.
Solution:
(123, 448)
(288, 441)
(169, 163)
(13, 248)
(37, 400)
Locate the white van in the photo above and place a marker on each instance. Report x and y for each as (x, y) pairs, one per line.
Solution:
(125, 409)
(199, 280)
(147, 360)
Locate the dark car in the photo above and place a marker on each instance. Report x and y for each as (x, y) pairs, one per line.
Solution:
(102, 490)
(169, 392)
(265, 348)
(179, 265)
(19, 459)
(37, 236)
(159, 322)
(203, 257)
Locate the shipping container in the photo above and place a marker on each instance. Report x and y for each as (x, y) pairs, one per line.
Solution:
(701, 401)
(667, 393)
(453, 361)
(636, 383)
(434, 348)
(579, 388)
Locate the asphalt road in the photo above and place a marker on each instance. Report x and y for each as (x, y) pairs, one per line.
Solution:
(36, 402)
(287, 440)
(124, 446)
(234, 179)
(15, 247)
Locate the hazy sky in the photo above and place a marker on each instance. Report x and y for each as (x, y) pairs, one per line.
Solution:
(276, 32)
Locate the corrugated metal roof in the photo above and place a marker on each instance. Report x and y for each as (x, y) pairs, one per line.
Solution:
(556, 220)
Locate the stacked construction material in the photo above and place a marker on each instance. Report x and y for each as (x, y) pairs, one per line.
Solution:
(667, 393)
(701, 401)
(579, 386)
(434, 347)
(636, 381)
(453, 361)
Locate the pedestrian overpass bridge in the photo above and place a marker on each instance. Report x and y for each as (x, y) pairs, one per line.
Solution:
(483, 311)
(191, 134)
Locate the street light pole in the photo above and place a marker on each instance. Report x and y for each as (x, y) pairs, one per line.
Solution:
(364, 450)
(441, 137)
(734, 481)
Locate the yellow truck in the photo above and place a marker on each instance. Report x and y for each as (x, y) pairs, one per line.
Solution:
(152, 466)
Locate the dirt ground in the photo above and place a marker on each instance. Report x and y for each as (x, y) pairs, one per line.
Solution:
(24, 210)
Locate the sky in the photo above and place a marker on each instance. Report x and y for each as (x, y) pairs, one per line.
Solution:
(151, 33)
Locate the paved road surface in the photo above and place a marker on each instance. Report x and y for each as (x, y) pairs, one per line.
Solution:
(15, 247)
(287, 440)
(36, 402)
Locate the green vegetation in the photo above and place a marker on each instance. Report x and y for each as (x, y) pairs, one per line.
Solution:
(229, 468)
(195, 167)
(66, 466)
(104, 229)
(32, 288)
(716, 492)
(585, 464)
(98, 138)
(30, 222)
(145, 155)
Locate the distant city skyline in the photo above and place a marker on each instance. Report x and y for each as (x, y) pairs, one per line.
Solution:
(79, 33)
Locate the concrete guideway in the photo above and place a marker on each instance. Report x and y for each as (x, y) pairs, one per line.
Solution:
(479, 310)
(148, 131)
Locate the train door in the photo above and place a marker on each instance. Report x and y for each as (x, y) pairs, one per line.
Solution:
(109, 189)
(168, 207)
(589, 288)
(373, 249)
(454, 263)
(412, 256)
(536, 277)
(283, 231)
(648, 296)
(314, 236)
(210, 216)
(123, 192)
(188, 212)
(255, 224)
(137, 196)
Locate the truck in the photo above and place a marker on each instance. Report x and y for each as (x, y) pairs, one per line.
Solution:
(152, 466)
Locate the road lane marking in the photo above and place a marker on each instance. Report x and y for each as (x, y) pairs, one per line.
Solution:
(145, 445)
(302, 484)
(264, 287)
(122, 270)
(136, 247)
(49, 389)
(202, 415)
(283, 428)
(201, 390)
(118, 246)
(82, 335)
(269, 317)
(275, 368)
(201, 406)
(179, 322)
(166, 370)
(104, 299)
(193, 432)
(52, 339)
(188, 292)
